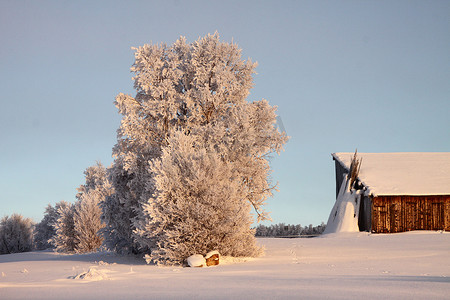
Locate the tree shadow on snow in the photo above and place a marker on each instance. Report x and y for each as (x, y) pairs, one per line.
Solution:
(107, 257)
(423, 278)
(404, 278)
(49, 255)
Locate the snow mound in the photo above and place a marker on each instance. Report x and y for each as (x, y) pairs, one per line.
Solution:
(229, 260)
(102, 263)
(93, 274)
(344, 215)
(196, 260)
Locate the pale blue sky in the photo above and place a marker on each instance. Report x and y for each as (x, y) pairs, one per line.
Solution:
(372, 75)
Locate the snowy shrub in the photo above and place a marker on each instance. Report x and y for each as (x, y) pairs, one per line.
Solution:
(87, 222)
(119, 212)
(44, 230)
(16, 234)
(65, 238)
(198, 207)
(87, 216)
(198, 89)
(96, 178)
(78, 227)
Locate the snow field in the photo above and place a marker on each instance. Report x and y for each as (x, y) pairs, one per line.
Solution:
(413, 265)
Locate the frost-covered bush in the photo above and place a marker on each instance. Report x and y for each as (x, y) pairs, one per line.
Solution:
(16, 234)
(65, 238)
(199, 89)
(87, 217)
(198, 207)
(119, 211)
(44, 230)
(87, 222)
(79, 226)
(96, 178)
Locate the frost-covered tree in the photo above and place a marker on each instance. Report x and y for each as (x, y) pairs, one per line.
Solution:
(45, 230)
(198, 207)
(16, 234)
(96, 178)
(87, 222)
(119, 210)
(282, 229)
(199, 89)
(65, 238)
(87, 216)
(78, 226)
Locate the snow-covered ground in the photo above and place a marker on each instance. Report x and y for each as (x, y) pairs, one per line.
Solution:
(414, 265)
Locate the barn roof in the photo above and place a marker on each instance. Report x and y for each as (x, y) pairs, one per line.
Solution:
(412, 173)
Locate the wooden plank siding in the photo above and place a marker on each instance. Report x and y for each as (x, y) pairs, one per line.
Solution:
(405, 213)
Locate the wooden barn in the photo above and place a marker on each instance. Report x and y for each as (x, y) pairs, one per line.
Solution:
(402, 191)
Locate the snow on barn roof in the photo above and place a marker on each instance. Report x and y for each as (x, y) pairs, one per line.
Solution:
(412, 173)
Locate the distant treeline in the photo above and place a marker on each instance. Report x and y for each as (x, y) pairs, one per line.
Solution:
(282, 229)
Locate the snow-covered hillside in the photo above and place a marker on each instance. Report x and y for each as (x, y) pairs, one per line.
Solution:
(413, 265)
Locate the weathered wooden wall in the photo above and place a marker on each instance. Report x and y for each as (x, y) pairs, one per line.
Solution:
(405, 213)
